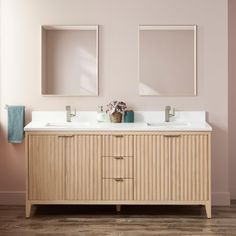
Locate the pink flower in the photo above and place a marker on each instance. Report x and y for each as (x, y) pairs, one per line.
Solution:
(116, 106)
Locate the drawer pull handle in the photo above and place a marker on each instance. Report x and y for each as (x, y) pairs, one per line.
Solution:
(119, 179)
(119, 136)
(172, 136)
(66, 136)
(119, 158)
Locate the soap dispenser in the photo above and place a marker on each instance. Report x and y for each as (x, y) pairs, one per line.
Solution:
(101, 115)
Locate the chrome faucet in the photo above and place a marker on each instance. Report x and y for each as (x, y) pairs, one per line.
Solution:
(69, 114)
(168, 113)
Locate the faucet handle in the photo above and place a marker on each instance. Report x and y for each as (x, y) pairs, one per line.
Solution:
(173, 112)
(73, 114)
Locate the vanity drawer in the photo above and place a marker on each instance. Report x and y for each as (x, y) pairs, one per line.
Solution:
(117, 189)
(117, 167)
(117, 145)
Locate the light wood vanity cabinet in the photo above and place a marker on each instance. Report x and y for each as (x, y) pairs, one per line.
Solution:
(116, 168)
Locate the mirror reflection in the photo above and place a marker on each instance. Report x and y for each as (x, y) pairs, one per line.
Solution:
(70, 60)
(167, 60)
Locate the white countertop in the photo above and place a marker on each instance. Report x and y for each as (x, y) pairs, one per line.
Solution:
(144, 121)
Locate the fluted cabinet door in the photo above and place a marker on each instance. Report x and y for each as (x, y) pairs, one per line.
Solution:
(46, 167)
(84, 169)
(148, 170)
(190, 167)
(171, 167)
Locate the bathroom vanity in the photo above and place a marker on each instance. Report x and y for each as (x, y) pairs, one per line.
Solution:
(146, 162)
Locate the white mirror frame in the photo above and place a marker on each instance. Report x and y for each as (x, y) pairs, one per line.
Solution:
(171, 27)
(43, 66)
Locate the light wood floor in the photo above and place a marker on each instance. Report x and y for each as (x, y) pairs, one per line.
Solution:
(104, 221)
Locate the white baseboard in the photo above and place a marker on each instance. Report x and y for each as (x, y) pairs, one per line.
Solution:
(232, 193)
(18, 198)
(12, 197)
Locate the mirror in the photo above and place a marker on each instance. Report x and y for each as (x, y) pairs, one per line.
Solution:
(70, 60)
(167, 60)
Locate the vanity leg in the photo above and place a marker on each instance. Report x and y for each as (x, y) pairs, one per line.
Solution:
(118, 208)
(28, 206)
(208, 209)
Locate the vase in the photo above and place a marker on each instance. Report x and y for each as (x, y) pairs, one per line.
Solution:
(116, 117)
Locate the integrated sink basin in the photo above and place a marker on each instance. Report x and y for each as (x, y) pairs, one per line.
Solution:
(168, 124)
(67, 124)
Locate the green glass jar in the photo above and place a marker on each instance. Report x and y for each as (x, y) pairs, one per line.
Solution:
(129, 116)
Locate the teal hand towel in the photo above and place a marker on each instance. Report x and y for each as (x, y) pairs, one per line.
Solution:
(16, 119)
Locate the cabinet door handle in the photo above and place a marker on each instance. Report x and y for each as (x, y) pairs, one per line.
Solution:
(119, 179)
(172, 136)
(118, 136)
(66, 136)
(119, 158)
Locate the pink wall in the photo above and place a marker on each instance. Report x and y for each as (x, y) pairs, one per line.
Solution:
(118, 20)
(232, 106)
